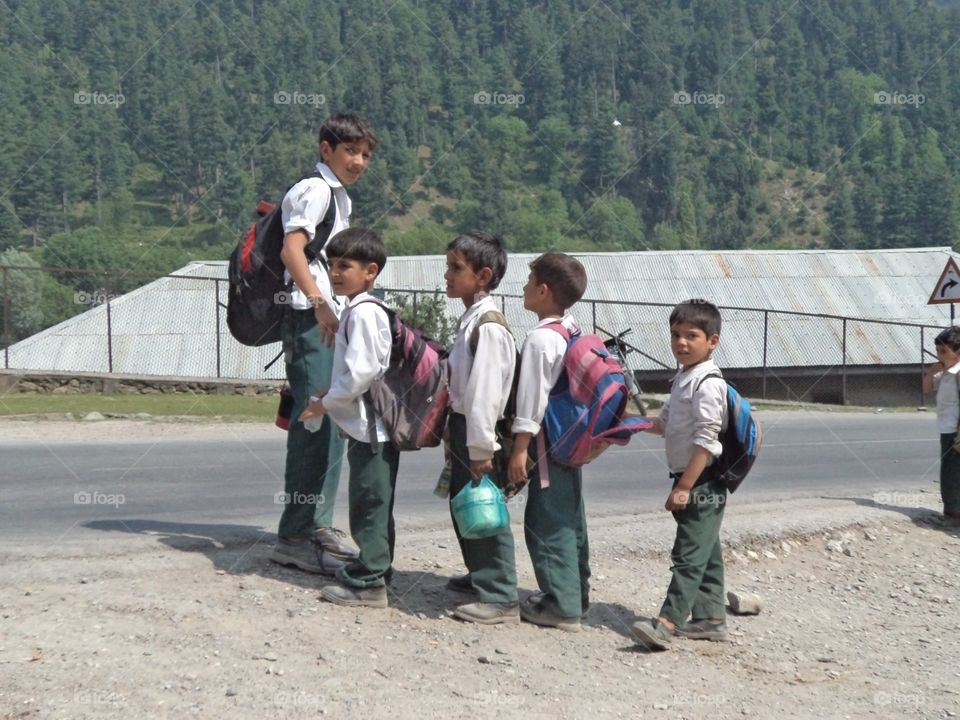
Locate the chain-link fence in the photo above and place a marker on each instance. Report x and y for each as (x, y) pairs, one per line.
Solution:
(175, 326)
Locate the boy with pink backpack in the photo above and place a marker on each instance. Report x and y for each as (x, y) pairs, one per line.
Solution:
(570, 399)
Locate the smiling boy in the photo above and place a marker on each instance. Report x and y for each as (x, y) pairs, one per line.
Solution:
(361, 355)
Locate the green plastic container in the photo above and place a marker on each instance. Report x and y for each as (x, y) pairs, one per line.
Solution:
(480, 510)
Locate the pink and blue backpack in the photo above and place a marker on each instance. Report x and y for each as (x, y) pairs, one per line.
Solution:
(585, 411)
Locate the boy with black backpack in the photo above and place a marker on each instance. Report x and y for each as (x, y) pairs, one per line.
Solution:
(315, 209)
(555, 523)
(691, 422)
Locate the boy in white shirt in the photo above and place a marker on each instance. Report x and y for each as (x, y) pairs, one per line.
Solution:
(942, 377)
(555, 523)
(480, 383)
(691, 422)
(314, 210)
(361, 355)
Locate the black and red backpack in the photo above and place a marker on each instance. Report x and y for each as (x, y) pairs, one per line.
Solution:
(258, 294)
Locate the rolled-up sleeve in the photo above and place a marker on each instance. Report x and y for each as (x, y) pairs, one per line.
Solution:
(488, 387)
(305, 205)
(709, 406)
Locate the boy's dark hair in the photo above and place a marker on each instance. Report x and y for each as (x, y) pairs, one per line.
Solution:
(360, 244)
(564, 275)
(949, 337)
(482, 250)
(346, 128)
(699, 313)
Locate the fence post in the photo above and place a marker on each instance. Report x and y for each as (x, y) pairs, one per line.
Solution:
(6, 318)
(109, 338)
(843, 379)
(593, 311)
(922, 403)
(766, 322)
(216, 304)
(415, 315)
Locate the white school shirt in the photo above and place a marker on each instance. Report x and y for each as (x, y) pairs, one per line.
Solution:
(356, 364)
(948, 399)
(303, 208)
(690, 419)
(479, 385)
(541, 364)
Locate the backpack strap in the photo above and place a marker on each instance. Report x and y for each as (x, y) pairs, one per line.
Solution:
(707, 377)
(542, 472)
(490, 316)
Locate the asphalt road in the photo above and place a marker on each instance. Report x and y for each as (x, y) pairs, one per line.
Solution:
(51, 490)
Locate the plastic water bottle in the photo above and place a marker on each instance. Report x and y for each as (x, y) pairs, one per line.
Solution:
(315, 423)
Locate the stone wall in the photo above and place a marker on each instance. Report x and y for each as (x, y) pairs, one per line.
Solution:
(14, 381)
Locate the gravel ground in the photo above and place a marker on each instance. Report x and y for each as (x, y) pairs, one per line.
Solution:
(861, 619)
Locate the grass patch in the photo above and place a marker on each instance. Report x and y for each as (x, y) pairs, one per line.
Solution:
(227, 407)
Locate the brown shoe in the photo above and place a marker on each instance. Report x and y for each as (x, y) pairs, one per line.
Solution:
(373, 597)
(536, 613)
(489, 613)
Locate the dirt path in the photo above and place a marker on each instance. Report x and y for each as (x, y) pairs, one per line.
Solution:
(862, 620)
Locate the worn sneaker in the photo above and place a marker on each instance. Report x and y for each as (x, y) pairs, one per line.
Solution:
(534, 612)
(489, 613)
(336, 543)
(705, 629)
(461, 583)
(306, 555)
(373, 597)
(652, 633)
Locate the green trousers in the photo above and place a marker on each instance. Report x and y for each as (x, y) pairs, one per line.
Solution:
(949, 474)
(373, 481)
(555, 528)
(312, 472)
(696, 588)
(491, 561)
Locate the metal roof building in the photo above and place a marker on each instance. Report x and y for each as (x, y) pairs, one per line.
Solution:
(174, 327)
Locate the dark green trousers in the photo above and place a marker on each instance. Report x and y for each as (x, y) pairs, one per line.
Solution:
(312, 472)
(949, 474)
(696, 588)
(555, 528)
(373, 481)
(491, 561)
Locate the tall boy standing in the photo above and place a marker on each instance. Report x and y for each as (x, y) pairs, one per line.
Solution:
(480, 382)
(362, 355)
(555, 524)
(307, 538)
(690, 423)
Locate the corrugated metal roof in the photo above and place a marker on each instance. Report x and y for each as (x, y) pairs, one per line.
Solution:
(169, 326)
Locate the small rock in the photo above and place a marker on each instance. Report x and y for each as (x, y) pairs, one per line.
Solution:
(484, 660)
(848, 552)
(93, 416)
(744, 603)
(500, 651)
(231, 692)
(752, 555)
(769, 555)
(660, 706)
(835, 546)
(359, 620)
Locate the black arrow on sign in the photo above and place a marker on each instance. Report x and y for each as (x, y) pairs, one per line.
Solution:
(947, 286)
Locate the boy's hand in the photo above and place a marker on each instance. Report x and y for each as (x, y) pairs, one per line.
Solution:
(327, 321)
(315, 409)
(677, 499)
(517, 469)
(479, 468)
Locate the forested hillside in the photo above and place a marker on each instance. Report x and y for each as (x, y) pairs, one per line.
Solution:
(136, 135)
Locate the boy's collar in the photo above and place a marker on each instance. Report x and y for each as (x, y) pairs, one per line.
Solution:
(954, 369)
(328, 174)
(700, 368)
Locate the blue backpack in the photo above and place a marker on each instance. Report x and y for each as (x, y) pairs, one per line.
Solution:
(740, 440)
(585, 412)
